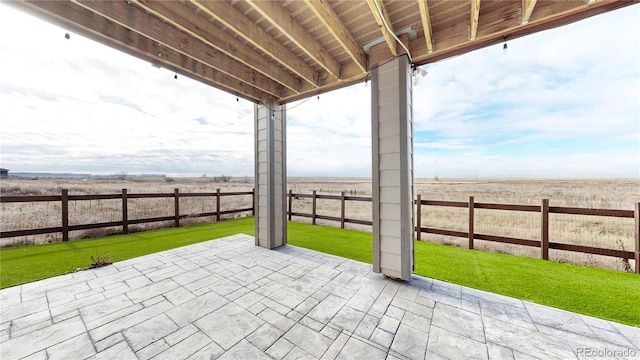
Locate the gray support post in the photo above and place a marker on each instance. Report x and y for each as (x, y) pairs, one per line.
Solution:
(392, 160)
(270, 174)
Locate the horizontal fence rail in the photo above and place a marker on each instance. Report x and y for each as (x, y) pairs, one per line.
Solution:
(64, 199)
(543, 209)
(343, 198)
(544, 243)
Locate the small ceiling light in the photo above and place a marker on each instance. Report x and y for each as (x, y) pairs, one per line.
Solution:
(67, 36)
(504, 47)
(422, 73)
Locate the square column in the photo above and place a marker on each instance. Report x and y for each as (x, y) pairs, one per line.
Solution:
(392, 161)
(270, 174)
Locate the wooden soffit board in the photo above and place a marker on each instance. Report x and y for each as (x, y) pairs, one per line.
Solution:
(293, 49)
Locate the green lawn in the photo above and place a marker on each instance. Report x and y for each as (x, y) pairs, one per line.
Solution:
(606, 294)
(25, 264)
(602, 293)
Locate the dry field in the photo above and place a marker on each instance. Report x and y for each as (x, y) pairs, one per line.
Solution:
(596, 231)
(19, 216)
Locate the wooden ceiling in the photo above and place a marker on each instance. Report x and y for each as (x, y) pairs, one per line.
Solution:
(292, 49)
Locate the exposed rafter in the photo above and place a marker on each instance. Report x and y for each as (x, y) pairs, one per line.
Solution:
(426, 24)
(234, 20)
(527, 10)
(92, 25)
(322, 9)
(289, 50)
(549, 15)
(382, 17)
(475, 15)
(138, 20)
(183, 18)
(277, 16)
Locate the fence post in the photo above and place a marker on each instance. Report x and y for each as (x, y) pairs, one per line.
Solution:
(217, 204)
(471, 221)
(418, 217)
(125, 212)
(313, 210)
(290, 203)
(544, 229)
(176, 201)
(637, 231)
(342, 210)
(253, 202)
(65, 214)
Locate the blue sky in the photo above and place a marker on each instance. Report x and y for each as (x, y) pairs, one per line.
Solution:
(564, 102)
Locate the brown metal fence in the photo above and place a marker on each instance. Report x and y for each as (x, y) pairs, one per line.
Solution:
(544, 209)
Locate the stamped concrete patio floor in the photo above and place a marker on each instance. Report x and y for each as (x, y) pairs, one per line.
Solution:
(229, 299)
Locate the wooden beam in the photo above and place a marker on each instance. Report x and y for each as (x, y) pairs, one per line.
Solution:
(338, 30)
(181, 51)
(100, 29)
(140, 21)
(475, 14)
(329, 87)
(276, 15)
(527, 9)
(382, 17)
(235, 21)
(183, 18)
(548, 15)
(380, 53)
(426, 24)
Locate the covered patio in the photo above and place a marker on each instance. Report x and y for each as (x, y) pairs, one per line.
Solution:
(243, 297)
(230, 299)
(276, 52)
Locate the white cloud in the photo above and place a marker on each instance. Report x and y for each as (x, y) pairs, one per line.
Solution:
(551, 164)
(562, 100)
(332, 135)
(83, 106)
(573, 89)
